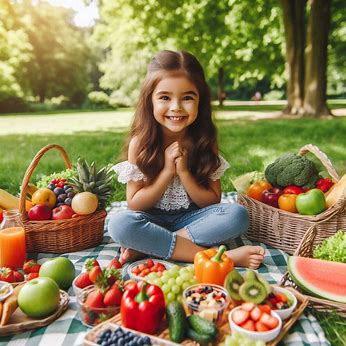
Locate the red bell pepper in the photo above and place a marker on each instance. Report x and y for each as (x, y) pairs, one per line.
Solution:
(324, 184)
(142, 307)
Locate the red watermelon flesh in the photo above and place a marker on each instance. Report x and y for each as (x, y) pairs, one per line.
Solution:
(325, 279)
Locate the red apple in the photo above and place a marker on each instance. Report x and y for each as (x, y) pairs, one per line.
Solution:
(62, 212)
(40, 212)
(271, 196)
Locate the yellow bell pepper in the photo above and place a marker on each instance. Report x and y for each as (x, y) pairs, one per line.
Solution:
(212, 266)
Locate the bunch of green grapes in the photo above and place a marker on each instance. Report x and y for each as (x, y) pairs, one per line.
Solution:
(173, 281)
(238, 339)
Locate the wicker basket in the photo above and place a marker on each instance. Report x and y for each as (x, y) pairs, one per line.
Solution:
(284, 230)
(305, 249)
(59, 236)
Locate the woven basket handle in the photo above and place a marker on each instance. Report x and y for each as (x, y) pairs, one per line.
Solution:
(32, 167)
(310, 148)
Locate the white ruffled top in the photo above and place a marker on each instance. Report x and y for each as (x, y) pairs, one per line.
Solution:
(175, 197)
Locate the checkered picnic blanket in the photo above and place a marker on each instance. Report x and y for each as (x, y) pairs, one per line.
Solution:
(68, 330)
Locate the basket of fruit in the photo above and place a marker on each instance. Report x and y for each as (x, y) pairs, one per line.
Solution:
(66, 216)
(291, 197)
(318, 269)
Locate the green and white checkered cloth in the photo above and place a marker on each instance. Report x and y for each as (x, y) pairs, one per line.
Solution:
(68, 330)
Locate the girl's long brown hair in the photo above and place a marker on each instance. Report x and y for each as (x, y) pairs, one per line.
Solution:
(150, 154)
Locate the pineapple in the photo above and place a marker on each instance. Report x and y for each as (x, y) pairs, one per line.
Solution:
(90, 180)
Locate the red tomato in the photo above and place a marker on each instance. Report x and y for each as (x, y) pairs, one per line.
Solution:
(255, 190)
(150, 263)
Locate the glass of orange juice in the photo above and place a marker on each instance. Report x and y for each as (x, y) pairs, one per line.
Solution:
(12, 240)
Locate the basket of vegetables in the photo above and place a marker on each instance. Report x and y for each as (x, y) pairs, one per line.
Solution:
(291, 197)
(67, 215)
(318, 269)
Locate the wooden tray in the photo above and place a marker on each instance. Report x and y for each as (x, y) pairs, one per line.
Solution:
(224, 329)
(19, 322)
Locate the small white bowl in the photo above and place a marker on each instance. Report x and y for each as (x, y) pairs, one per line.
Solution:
(265, 336)
(132, 276)
(286, 313)
(6, 289)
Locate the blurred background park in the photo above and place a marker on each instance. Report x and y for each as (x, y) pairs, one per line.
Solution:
(70, 73)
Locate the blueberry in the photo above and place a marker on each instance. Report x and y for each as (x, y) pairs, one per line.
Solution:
(66, 187)
(121, 342)
(146, 340)
(60, 204)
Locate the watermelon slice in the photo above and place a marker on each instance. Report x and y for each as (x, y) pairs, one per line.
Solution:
(324, 279)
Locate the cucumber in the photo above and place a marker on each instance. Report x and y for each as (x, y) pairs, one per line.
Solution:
(202, 339)
(176, 321)
(202, 326)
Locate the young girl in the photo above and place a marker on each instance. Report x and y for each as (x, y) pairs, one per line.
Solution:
(173, 171)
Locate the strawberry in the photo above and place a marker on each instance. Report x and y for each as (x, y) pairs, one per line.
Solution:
(265, 308)
(83, 280)
(95, 300)
(112, 275)
(95, 273)
(31, 266)
(281, 297)
(113, 296)
(269, 321)
(240, 316)
(255, 313)
(18, 276)
(31, 276)
(114, 263)
(247, 306)
(160, 267)
(90, 263)
(249, 325)
(260, 327)
(6, 274)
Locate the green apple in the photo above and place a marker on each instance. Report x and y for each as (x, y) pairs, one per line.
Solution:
(39, 297)
(60, 269)
(312, 202)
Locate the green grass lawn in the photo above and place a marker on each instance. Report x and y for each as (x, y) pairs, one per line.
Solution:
(248, 145)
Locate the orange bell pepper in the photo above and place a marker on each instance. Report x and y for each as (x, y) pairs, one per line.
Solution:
(212, 266)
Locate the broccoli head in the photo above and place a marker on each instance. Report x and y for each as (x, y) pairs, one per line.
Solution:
(291, 169)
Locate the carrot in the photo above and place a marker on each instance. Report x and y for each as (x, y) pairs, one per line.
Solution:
(10, 305)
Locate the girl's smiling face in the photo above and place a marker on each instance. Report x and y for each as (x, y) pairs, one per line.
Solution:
(175, 103)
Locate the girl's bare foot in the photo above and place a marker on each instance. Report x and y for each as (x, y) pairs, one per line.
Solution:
(128, 255)
(247, 256)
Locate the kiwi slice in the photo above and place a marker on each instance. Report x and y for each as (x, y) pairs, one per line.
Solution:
(250, 275)
(232, 283)
(265, 283)
(252, 291)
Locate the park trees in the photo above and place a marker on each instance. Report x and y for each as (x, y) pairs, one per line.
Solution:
(306, 56)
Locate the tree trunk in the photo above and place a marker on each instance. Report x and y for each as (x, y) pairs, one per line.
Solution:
(293, 14)
(315, 100)
(221, 86)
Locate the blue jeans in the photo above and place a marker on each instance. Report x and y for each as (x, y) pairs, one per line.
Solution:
(154, 232)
